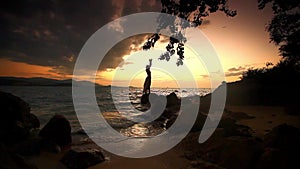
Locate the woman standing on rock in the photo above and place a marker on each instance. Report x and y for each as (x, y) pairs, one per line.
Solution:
(147, 82)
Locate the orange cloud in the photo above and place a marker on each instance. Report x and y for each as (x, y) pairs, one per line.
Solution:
(19, 69)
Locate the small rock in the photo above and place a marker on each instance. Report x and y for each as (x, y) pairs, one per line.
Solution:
(77, 158)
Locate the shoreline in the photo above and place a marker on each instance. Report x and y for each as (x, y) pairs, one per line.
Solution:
(241, 126)
(182, 155)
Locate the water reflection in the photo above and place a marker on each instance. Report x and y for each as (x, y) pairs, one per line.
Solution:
(143, 130)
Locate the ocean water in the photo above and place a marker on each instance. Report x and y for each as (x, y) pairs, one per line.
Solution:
(46, 101)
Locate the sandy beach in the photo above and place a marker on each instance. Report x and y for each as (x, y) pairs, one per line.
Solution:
(263, 120)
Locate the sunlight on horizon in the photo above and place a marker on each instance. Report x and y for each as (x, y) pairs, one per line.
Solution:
(131, 72)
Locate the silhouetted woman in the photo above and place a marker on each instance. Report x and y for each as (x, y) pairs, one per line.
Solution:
(147, 82)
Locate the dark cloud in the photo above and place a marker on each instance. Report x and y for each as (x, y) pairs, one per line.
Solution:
(52, 32)
(114, 56)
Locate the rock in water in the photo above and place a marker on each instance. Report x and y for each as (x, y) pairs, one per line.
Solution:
(57, 130)
(81, 159)
(145, 99)
(172, 100)
(16, 120)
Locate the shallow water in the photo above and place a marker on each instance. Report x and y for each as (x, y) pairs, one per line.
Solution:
(46, 101)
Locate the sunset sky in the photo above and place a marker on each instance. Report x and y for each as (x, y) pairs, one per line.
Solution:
(44, 38)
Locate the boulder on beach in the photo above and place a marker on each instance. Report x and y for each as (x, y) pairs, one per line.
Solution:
(78, 158)
(281, 148)
(16, 120)
(283, 137)
(232, 152)
(57, 130)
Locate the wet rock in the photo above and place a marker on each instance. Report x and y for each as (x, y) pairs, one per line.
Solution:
(172, 100)
(172, 109)
(233, 152)
(77, 158)
(57, 130)
(168, 107)
(281, 148)
(13, 107)
(16, 120)
(284, 137)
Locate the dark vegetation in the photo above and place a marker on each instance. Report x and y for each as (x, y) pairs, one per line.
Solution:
(284, 31)
(193, 12)
(279, 85)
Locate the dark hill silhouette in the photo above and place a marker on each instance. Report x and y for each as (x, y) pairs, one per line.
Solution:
(38, 81)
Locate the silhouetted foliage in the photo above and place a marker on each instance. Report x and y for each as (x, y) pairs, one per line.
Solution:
(284, 28)
(193, 11)
(151, 41)
(284, 32)
(278, 85)
(283, 73)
